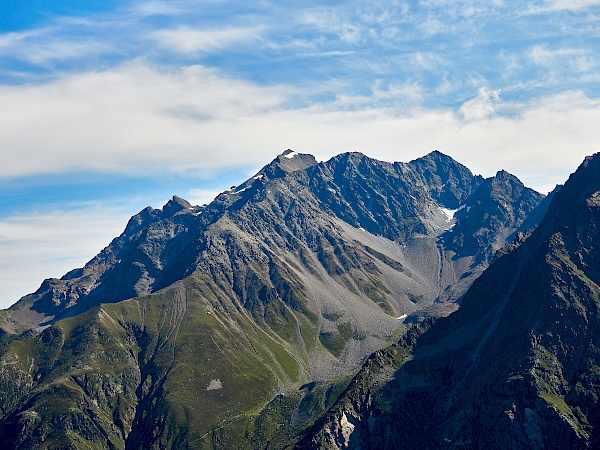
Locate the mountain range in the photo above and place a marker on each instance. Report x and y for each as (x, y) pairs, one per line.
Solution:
(517, 366)
(317, 305)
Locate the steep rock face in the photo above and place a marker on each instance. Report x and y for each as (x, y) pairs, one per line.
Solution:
(449, 184)
(292, 278)
(515, 367)
(136, 263)
(489, 216)
(485, 222)
(291, 206)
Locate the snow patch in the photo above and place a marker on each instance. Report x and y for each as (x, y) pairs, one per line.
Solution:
(290, 155)
(449, 213)
(403, 316)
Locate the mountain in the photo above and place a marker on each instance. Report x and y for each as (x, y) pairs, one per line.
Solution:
(517, 366)
(211, 326)
(400, 202)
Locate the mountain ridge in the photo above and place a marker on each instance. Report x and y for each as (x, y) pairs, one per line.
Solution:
(177, 207)
(516, 366)
(290, 279)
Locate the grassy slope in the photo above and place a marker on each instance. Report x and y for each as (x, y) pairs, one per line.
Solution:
(185, 366)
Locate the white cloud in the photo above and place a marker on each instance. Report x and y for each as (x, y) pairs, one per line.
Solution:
(569, 5)
(482, 106)
(137, 119)
(398, 98)
(190, 40)
(202, 196)
(9, 40)
(428, 61)
(562, 58)
(129, 118)
(545, 143)
(156, 8)
(42, 45)
(336, 21)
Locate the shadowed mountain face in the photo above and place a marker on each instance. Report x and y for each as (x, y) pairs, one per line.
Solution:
(517, 366)
(202, 315)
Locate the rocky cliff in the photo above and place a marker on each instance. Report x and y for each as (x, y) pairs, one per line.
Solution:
(517, 366)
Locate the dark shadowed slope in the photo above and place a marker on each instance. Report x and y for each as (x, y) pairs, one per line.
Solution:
(517, 366)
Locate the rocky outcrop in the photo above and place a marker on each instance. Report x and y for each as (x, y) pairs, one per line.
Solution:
(515, 367)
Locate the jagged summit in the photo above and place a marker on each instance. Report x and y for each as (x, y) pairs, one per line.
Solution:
(287, 162)
(446, 178)
(435, 155)
(175, 205)
(397, 201)
(195, 318)
(289, 153)
(515, 367)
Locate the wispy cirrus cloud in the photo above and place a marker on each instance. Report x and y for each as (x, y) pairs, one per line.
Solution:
(190, 40)
(440, 45)
(570, 59)
(566, 5)
(156, 8)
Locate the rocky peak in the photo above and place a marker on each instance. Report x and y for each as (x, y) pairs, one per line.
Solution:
(450, 182)
(516, 366)
(506, 180)
(175, 205)
(580, 189)
(494, 211)
(289, 161)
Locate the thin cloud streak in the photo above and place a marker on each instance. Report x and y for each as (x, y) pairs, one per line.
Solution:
(566, 5)
(189, 40)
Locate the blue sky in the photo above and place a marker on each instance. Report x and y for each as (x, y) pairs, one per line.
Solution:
(107, 107)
